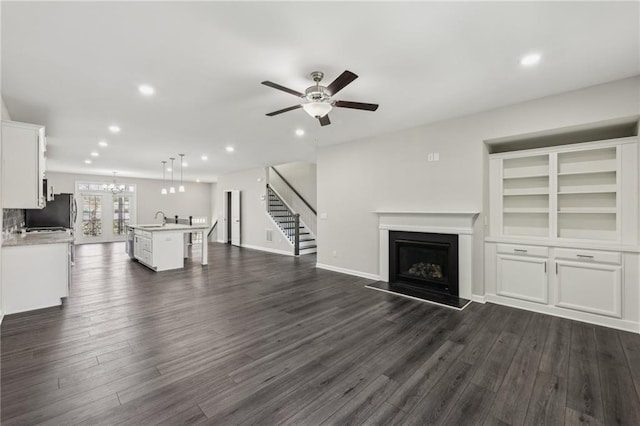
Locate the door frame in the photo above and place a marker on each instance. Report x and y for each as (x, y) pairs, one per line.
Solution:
(228, 235)
(107, 213)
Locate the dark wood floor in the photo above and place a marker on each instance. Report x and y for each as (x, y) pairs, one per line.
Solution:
(257, 338)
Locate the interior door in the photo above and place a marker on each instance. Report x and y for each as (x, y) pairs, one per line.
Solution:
(235, 217)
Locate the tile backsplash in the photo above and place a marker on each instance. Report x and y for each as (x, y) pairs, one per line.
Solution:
(11, 218)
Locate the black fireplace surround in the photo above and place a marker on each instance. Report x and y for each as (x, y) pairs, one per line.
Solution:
(424, 261)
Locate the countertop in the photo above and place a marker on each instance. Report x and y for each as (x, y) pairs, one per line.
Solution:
(35, 238)
(155, 227)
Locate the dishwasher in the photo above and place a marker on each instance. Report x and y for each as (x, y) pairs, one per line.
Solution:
(129, 246)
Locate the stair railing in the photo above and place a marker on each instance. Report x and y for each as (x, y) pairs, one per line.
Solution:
(293, 199)
(284, 217)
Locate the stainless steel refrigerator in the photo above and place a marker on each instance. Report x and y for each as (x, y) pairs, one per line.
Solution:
(59, 213)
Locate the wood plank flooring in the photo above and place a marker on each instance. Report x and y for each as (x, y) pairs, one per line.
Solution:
(258, 338)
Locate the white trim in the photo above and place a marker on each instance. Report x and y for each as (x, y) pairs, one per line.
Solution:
(278, 228)
(418, 299)
(479, 299)
(348, 271)
(564, 313)
(470, 214)
(434, 229)
(563, 148)
(545, 242)
(269, 250)
(1, 316)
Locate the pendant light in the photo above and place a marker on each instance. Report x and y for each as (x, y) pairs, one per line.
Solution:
(164, 170)
(172, 189)
(181, 187)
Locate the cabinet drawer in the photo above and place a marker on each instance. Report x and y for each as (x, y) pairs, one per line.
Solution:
(523, 250)
(142, 233)
(589, 255)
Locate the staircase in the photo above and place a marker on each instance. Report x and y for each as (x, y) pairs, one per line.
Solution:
(289, 223)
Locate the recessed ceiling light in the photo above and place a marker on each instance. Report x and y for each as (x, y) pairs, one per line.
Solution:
(531, 59)
(103, 144)
(230, 148)
(198, 180)
(114, 129)
(95, 154)
(299, 132)
(145, 89)
(204, 158)
(87, 161)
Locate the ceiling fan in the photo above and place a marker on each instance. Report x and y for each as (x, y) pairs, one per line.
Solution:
(319, 98)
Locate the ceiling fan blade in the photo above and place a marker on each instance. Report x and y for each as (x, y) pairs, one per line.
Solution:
(280, 111)
(284, 89)
(324, 120)
(355, 105)
(340, 82)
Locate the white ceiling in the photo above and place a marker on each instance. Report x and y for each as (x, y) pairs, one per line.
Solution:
(75, 67)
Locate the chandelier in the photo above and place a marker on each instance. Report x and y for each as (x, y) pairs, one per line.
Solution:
(114, 187)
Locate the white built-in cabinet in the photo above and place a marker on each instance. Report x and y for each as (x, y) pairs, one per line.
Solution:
(23, 165)
(563, 235)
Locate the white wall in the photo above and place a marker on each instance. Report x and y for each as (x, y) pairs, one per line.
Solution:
(5, 116)
(196, 201)
(391, 172)
(213, 195)
(254, 220)
(302, 176)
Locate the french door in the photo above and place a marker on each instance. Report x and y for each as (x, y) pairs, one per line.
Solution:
(104, 216)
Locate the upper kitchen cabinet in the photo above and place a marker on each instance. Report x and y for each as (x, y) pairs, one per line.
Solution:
(23, 165)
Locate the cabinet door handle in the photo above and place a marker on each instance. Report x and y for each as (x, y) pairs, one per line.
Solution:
(584, 256)
(545, 267)
(556, 269)
(520, 250)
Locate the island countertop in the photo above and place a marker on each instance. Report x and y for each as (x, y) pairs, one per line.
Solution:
(153, 227)
(35, 238)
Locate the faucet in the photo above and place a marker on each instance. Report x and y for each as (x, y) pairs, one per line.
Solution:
(164, 217)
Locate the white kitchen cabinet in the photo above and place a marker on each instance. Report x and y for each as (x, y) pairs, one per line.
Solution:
(23, 165)
(26, 287)
(522, 277)
(160, 251)
(589, 287)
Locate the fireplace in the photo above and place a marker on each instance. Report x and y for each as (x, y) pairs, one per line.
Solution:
(424, 261)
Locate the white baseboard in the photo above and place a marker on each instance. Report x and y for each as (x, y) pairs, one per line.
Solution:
(1, 316)
(267, 249)
(616, 323)
(348, 271)
(479, 299)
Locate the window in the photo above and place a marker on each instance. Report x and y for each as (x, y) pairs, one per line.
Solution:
(92, 215)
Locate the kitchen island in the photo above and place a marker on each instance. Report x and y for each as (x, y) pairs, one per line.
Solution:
(163, 247)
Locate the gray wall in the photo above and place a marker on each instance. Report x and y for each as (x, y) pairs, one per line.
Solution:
(302, 176)
(254, 221)
(391, 172)
(196, 201)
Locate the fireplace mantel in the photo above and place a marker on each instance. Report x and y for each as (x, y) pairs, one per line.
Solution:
(443, 222)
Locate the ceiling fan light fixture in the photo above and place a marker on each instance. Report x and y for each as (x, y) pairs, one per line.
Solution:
(317, 109)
